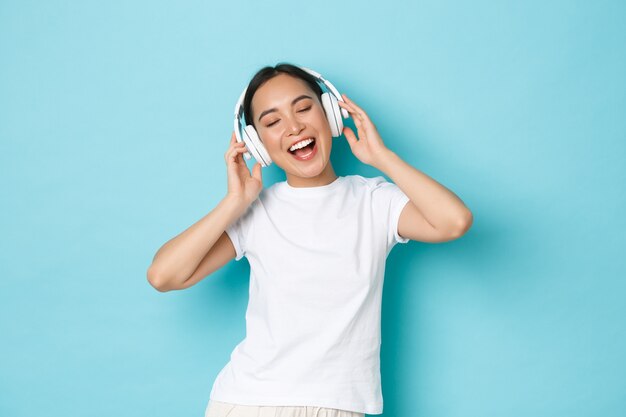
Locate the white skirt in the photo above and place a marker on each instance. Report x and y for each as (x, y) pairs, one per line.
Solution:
(222, 409)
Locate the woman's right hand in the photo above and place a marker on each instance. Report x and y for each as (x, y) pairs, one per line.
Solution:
(241, 184)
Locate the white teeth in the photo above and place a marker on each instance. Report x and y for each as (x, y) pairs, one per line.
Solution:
(301, 144)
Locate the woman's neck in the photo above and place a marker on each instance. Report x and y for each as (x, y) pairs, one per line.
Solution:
(324, 178)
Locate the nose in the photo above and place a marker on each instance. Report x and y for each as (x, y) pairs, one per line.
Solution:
(294, 126)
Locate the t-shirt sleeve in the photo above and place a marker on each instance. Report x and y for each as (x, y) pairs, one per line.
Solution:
(237, 232)
(390, 200)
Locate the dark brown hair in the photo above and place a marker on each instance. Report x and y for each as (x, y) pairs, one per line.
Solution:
(267, 73)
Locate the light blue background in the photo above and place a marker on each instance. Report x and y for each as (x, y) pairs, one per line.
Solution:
(114, 120)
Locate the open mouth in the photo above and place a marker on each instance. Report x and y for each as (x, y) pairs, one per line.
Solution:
(305, 152)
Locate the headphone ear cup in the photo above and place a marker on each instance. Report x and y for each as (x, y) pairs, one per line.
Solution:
(255, 146)
(333, 114)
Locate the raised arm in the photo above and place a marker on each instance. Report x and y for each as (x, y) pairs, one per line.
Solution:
(178, 258)
(204, 246)
(434, 213)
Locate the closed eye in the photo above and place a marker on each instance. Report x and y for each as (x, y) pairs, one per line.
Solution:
(299, 111)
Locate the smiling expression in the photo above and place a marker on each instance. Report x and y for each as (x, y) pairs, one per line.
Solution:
(285, 111)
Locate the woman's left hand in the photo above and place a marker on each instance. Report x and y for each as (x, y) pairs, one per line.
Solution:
(368, 147)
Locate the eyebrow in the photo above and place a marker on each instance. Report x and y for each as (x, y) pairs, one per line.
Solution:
(295, 100)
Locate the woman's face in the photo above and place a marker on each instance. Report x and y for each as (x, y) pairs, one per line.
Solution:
(285, 111)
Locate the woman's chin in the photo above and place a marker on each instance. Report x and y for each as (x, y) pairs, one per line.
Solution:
(310, 171)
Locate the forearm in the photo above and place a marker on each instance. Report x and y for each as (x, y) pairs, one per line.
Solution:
(178, 258)
(440, 206)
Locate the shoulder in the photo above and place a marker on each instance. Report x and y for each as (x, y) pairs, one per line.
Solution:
(367, 182)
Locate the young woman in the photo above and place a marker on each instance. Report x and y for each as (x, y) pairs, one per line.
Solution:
(317, 245)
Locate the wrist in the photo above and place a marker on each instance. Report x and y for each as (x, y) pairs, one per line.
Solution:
(384, 160)
(234, 202)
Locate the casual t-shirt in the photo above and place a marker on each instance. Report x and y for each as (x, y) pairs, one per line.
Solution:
(317, 262)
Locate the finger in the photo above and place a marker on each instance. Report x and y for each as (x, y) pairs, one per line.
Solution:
(231, 156)
(358, 122)
(233, 169)
(238, 145)
(349, 101)
(240, 150)
(355, 116)
(346, 105)
(234, 153)
(362, 121)
(256, 171)
(353, 112)
(359, 110)
(233, 138)
(350, 136)
(230, 150)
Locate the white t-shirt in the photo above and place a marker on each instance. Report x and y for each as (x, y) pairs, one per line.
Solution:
(317, 262)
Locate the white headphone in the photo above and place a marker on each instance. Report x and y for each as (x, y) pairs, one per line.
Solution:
(251, 137)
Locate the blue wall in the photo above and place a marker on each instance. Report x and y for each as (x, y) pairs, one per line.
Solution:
(114, 118)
